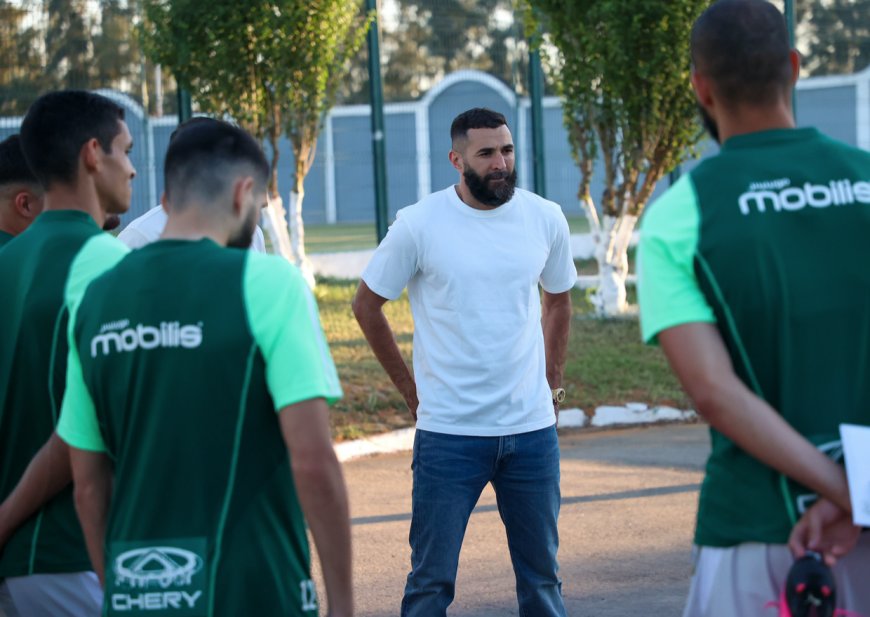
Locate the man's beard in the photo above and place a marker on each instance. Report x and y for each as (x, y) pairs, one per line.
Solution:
(111, 222)
(480, 189)
(245, 235)
(709, 123)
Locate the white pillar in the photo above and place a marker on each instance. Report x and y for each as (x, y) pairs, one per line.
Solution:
(523, 139)
(329, 176)
(424, 151)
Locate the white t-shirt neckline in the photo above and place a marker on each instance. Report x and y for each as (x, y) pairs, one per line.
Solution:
(456, 200)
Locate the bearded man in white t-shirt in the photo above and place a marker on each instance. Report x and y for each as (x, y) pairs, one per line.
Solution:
(487, 368)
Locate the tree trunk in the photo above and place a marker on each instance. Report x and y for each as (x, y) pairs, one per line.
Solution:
(276, 227)
(297, 233)
(611, 252)
(274, 136)
(288, 244)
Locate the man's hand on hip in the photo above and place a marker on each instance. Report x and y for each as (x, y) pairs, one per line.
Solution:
(411, 400)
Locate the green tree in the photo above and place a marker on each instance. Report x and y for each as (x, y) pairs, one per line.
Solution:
(67, 44)
(467, 34)
(53, 44)
(424, 40)
(622, 70)
(833, 36)
(22, 73)
(273, 66)
(117, 58)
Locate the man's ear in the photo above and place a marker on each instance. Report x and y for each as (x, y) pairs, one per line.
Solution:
(242, 189)
(26, 204)
(456, 160)
(703, 89)
(794, 58)
(164, 203)
(90, 154)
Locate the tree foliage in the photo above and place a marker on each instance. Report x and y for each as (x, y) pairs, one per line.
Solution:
(463, 34)
(66, 42)
(20, 62)
(833, 36)
(622, 68)
(422, 41)
(623, 72)
(53, 44)
(92, 46)
(273, 66)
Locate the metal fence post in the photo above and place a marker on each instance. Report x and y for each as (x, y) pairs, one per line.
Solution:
(789, 22)
(379, 156)
(184, 105)
(536, 93)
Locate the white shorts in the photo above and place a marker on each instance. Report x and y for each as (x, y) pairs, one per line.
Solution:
(739, 581)
(77, 594)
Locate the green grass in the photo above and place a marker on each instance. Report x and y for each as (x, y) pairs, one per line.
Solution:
(589, 266)
(371, 403)
(578, 224)
(340, 237)
(607, 364)
(358, 236)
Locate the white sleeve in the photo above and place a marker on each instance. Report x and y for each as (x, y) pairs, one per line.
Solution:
(258, 242)
(133, 238)
(394, 262)
(559, 274)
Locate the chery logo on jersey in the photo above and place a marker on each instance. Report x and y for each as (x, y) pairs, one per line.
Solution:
(778, 195)
(159, 566)
(120, 337)
(159, 580)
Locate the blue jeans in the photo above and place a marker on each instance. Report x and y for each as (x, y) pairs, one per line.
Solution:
(450, 472)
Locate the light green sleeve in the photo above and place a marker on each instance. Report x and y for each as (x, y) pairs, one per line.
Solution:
(78, 418)
(98, 254)
(285, 322)
(668, 290)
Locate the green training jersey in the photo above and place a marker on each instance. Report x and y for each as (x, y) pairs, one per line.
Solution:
(182, 355)
(57, 255)
(768, 240)
(5, 238)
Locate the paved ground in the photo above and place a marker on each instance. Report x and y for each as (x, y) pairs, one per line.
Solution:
(629, 499)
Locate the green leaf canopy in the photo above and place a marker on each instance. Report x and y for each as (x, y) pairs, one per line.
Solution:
(623, 70)
(272, 66)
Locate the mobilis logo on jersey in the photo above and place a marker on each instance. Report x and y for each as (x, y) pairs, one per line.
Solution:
(779, 195)
(168, 578)
(120, 336)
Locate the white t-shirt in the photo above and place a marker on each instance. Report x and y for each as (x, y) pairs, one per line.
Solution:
(148, 227)
(472, 277)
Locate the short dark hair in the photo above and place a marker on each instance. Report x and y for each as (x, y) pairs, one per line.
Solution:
(743, 47)
(13, 167)
(200, 157)
(476, 118)
(187, 124)
(58, 124)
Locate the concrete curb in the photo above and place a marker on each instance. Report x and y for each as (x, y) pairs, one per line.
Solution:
(632, 414)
